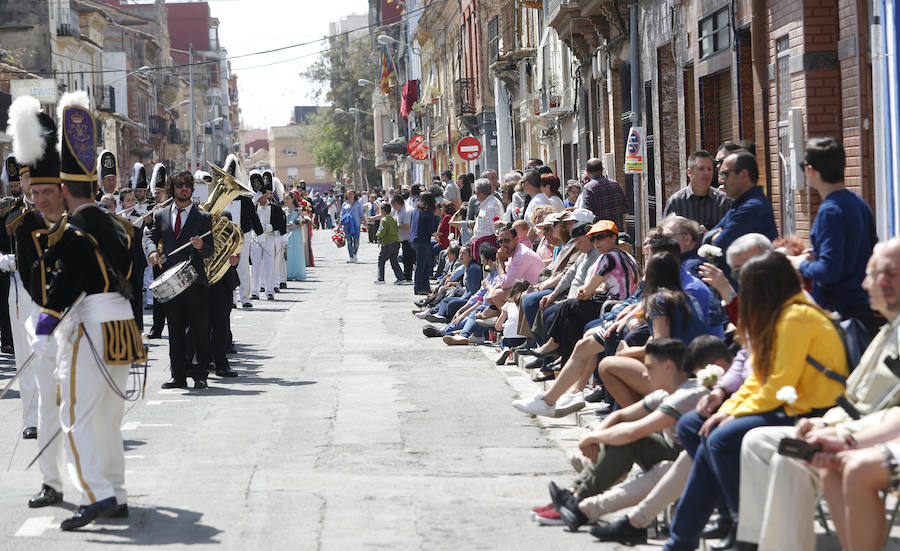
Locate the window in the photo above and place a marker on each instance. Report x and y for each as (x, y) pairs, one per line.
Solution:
(213, 38)
(293, 172)
(320, 173)
(715, 33)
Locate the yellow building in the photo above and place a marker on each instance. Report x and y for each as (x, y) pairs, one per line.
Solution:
(290, 160)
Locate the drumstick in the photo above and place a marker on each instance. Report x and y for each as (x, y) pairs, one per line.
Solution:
(163, 258)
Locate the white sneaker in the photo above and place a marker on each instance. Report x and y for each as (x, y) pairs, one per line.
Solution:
(535, 406)
(406, 282)
(379, 282)
(356, 260)
(569, 403)
(421, 315)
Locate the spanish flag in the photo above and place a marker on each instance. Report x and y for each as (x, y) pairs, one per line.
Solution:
(387, 67)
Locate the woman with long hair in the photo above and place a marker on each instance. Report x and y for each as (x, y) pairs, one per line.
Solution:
(796, 353)
(296, 243)
(351, 223)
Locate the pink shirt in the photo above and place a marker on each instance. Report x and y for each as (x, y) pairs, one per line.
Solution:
(524, 241)
(524, 264)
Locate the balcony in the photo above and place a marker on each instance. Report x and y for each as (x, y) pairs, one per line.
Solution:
(466, 97)
(551, 103)
(517, 21)
(157, 125)
(178, 137)
(67, 23)
(106, 99)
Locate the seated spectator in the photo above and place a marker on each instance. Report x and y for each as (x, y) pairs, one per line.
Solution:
(776, 487)
(471, 283)
(515, 261)
(741, 250)
(523, 233)
(476, 302)
(573, 191)
(783, 329)
(447, 280)
(652, 492)
(546, 235)
(670, 312)
(643, 433)
(550, 188)
(508, 321)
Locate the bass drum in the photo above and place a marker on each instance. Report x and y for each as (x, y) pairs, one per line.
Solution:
(173, 281)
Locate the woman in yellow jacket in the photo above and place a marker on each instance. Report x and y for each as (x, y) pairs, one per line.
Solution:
(787, 334)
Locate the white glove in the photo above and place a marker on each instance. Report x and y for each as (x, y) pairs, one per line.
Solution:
(7, 262)
(44, 347)
(269, 228)
(257, 195)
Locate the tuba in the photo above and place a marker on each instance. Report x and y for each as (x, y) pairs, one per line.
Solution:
(227, 236)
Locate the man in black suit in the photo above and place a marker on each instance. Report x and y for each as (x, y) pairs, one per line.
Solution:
(174, 226)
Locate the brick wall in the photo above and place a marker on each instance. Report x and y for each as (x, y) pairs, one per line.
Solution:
(669, 148)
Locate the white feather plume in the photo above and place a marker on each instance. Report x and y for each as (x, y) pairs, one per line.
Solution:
(26, 130)
(135, 170)
(239, 173)
(278, 188)
(79, 98)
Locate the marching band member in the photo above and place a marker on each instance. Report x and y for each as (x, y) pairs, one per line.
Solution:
(143, 202)
(243, 213)
(138, 174)
(263, 253)
(202, 180)
(160, 196)
(88, 256)
(11, 177)
(174, 226)
(221, 294)
(137, 279)
(34, 144)
(109, 175)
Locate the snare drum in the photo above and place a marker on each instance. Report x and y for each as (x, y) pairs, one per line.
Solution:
(173, 281)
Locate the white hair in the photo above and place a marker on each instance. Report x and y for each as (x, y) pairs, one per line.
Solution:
(746, 242)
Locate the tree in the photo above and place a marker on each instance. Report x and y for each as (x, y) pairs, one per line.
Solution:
(332, 135)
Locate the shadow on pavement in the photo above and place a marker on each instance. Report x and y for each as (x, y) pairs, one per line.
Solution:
(132, 444)
(155, 526)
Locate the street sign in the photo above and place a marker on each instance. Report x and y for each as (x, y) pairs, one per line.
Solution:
(42, 89)
(634, 151)
(469, 148)
(418, 147)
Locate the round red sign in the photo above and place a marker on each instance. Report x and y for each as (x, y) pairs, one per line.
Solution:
(469, 148)
(417, 147)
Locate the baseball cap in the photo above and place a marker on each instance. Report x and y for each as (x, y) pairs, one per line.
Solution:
(551, 219)
(579, 229)
(604, 226)
(582, 216)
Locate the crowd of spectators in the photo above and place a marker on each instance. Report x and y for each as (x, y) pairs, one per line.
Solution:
(728, 372)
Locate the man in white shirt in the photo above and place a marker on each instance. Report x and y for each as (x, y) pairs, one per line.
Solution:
(531, 184)
(489, 210)
(262, 253)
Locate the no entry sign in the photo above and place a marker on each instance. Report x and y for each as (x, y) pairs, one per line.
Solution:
(469, 148)
(418, 147)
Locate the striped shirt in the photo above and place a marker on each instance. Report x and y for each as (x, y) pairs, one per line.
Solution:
(706, 210)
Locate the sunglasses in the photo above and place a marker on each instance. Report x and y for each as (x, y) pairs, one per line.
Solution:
(725, 173)
(600, 237)
(505, 240)
(184, 184)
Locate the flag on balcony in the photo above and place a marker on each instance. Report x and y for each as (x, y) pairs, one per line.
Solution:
(387, 67)
(410, 96)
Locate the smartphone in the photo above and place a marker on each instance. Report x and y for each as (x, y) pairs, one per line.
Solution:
(800, 449)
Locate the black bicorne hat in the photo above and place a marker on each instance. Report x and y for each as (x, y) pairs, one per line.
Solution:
(12, 168)
(160, 175)
(138, 176)
(78, 154)
(106, 164)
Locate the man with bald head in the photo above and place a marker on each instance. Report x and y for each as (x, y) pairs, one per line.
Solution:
(602, 196)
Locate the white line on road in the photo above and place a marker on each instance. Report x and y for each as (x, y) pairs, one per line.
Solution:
(35, 526)
(161, 402)
(133, 425)
(135, 456)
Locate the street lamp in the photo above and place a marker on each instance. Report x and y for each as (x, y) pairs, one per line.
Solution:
(355, 111)
(365, 82)
(340, 111)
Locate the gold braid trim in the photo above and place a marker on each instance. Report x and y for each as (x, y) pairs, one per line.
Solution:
(122, 342)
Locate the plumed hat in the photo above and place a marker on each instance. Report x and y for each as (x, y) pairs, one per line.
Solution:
(138, 176)
(203, 177)
(278, 188)
(77, 138)
(34, 141)
(267, 180)
(256, 180)
(106, 164)
(159, 177)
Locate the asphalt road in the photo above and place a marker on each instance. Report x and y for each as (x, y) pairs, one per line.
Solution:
(346, 430)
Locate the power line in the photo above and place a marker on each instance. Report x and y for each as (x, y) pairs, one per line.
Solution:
(403, 17)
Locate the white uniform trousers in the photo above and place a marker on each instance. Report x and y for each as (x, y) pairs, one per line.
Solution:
(243, 269)
(43, 368)
(90, 411)
(20, 307)
(263, 253)
(778, 494)
(279, 258)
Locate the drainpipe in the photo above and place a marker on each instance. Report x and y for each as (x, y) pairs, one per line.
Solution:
(636, 88)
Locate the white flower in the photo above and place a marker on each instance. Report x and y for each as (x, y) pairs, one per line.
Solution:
(710, 374)
(786, 394)
(709, 252)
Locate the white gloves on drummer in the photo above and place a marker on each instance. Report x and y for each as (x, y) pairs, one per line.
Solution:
(269, 228)
(7, 262)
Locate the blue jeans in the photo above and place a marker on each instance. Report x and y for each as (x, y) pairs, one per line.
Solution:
(549, 316)
(424, 264)
(451, 327)
(352, 244)
(531, 303)
(715, 473)
(449, 306)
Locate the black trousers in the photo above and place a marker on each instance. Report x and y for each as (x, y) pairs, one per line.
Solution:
(220, 306)
(159, 313)
(5, 327)
(389, 253)
(190, 309)
(409, 259)
(568, 325)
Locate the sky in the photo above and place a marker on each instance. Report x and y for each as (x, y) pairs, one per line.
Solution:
(267, 95)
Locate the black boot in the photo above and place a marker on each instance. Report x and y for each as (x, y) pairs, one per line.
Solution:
(729, 541)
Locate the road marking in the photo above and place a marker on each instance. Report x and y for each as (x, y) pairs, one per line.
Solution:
(161, 402)
(135, 456)
(35, 526)
(133, 425)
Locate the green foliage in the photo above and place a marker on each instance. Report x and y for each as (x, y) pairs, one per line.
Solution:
(334, 76)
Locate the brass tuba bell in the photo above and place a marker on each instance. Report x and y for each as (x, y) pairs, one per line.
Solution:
(228, 239)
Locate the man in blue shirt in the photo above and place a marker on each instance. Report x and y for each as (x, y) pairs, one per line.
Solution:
(842, 236)
(751, 211)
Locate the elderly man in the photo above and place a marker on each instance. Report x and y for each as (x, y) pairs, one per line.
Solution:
(602, 196)
(698, 201)
(751, 210)
(777, 494)
(489, 209)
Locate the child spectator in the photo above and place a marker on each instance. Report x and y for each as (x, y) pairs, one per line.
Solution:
(390, 244)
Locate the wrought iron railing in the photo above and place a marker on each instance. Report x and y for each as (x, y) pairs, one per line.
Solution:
(466, 96)
(106, 99)
(157, 125)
